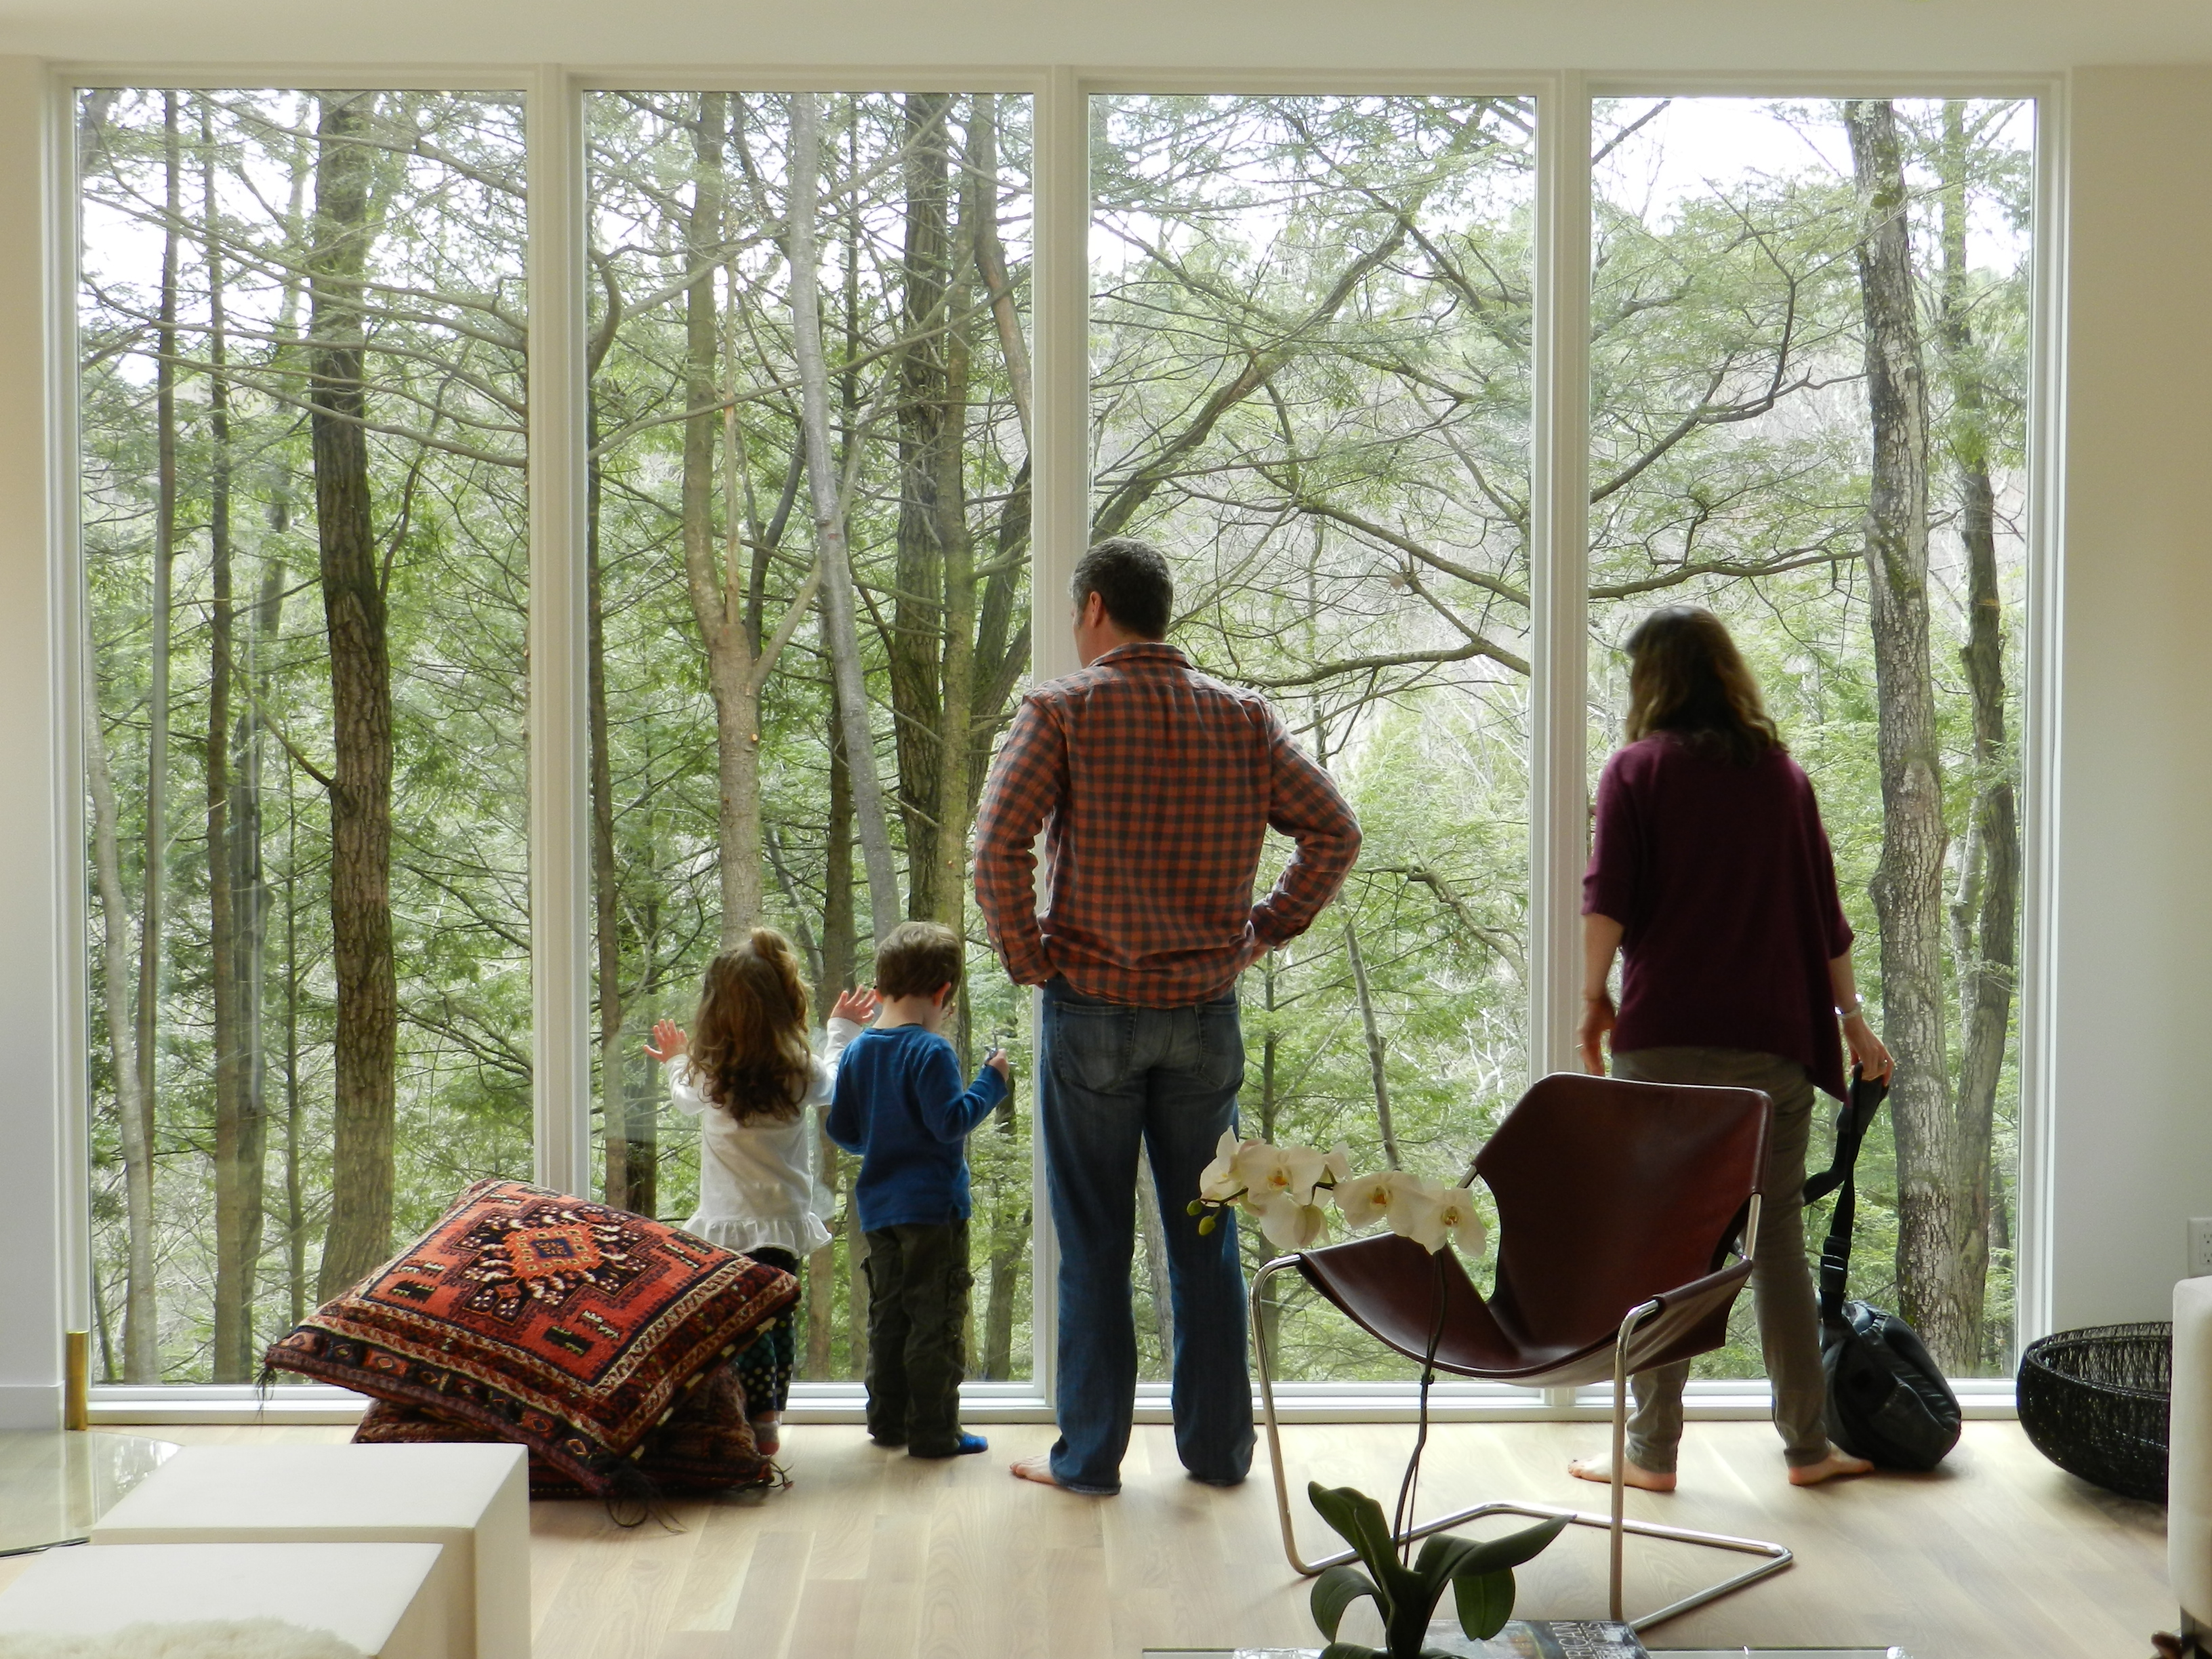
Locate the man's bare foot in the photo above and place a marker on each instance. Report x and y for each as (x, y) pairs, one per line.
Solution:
(1835, 1463)
(1037, 1468)
(1634, 1474)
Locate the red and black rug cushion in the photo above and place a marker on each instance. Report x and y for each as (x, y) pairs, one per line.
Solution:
(705, 1445)
(563, 1325)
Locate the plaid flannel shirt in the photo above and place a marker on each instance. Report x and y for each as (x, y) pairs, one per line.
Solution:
(1154, 788)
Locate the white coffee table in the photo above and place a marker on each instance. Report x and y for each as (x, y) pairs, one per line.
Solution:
(377, 1596)
(471, 1500)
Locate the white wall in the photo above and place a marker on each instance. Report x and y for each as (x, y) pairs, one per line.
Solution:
(31, 1188)
(2131, 1151)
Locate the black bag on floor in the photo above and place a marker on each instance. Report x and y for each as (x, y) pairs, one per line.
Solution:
(1887, 1398)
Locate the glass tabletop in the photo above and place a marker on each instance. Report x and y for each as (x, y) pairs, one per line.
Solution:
(1656, 1653)
(54, 1486)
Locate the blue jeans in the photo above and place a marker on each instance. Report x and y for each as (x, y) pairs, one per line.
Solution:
(1112, 1080)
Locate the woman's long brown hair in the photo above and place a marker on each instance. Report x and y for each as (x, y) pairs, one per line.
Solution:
(1686, 676)
(749, 1045)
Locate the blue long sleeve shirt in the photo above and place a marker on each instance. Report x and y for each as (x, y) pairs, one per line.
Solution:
(899, 1104)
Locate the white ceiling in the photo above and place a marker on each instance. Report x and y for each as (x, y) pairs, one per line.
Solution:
(1809, 35)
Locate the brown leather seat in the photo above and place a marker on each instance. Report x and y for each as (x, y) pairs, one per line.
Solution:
(1610, 1195)
(1627, 1214)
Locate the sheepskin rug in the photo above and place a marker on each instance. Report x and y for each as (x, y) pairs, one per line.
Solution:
(204, 1639)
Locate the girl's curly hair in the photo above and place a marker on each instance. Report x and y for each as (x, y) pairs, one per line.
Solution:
(748, 1048)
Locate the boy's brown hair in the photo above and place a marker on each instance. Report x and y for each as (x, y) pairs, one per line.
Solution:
(916, 958)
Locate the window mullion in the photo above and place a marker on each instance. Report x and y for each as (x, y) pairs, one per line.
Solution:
(1559, 573)
(560, 940)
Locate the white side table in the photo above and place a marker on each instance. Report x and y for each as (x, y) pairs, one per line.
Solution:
(380, 1597)
(472, 1499)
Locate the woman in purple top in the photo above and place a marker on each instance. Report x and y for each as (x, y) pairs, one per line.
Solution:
(1711, 874)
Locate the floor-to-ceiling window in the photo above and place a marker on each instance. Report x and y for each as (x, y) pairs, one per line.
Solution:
(805, 545)
(807, 343)
(1311, 357)
(1809, 362)
(301, 379)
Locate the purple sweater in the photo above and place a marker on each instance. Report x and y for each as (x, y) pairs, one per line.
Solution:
(1721, 880)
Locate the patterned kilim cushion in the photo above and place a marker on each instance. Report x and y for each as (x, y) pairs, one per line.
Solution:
(561, 1324)
(705, 1446)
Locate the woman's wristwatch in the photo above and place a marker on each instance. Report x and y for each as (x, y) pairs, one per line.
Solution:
(1857, 1007)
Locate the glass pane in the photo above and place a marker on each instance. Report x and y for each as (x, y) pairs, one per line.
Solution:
(723, 795)
(1733, 464)
(1311, 379)
(301, 374)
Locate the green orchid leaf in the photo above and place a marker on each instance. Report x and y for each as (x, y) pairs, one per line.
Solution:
(1486, 1602)
(1358, 1519)
(1495, 1554)
(1334, 1591)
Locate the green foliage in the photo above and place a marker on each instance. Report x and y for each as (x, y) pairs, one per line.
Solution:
(1478, 1573)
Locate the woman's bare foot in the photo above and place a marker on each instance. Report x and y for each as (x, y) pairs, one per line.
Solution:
(1037, 1468)
(1835, 1463)
(1633, 1475)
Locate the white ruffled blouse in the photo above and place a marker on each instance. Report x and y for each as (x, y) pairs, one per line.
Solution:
(758, 1185)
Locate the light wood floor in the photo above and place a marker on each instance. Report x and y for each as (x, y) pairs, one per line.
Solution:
(876, 1556)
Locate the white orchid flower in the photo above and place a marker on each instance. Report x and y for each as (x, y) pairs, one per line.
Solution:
(1416, 1210)
(1217, 1182)
(1364, 1199)
(1288, 1225)
(1268, 1170)
(1338, 1164)
(1456, 1213)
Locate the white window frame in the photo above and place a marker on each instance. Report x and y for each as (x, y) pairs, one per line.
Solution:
(1059, 321)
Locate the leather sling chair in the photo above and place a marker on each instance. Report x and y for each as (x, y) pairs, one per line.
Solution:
(1627, 1214)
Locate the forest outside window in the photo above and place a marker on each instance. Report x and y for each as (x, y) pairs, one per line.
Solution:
(806, 556)
(807, 523)
(1809, 365)
(301, 371)
(1310, 359)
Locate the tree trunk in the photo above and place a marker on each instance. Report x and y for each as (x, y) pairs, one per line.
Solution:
(991, 252)
(1156, 1258)
(237, 1135)
(1377, 1072)
(1985, 912)
(825, 490)
(917, 641)
(1935, 1220)
(606, 908)
(141, 1354)
(152, 907)
(837, 976)
(366, 1034)
(295, 1201)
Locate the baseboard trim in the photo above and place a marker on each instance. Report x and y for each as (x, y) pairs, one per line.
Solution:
(991, 1402)
(30, 1405)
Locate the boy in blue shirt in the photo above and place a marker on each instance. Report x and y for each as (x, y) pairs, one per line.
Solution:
(899, 1105)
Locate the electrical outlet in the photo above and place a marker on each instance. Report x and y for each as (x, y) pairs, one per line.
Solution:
(2200, 1246)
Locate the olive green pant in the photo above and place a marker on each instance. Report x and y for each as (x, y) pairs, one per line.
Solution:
(918, 1282)
(1781, 1282)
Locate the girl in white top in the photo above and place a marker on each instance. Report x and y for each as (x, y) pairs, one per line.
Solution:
(748, 1076)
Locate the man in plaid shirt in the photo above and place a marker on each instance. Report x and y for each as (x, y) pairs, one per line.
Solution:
(1154, 788)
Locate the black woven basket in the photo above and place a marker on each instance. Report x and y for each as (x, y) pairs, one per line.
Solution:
(2094, 1402)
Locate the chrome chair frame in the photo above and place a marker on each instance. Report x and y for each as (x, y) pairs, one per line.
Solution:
(1775, 1557)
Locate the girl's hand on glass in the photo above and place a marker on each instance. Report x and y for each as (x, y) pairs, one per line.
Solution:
(1867, 1052)
(667, 1042)
(860, 1006)
(1597, 1020)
